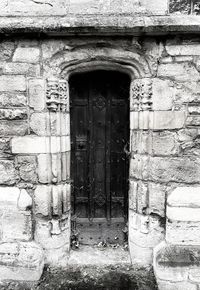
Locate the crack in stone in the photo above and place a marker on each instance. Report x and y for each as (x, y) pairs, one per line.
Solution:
(42, 2)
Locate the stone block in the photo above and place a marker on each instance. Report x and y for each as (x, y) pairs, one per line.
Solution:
(182, 232)
(139, 167)
(145, 231)
(65, 165)
(185, 197)
(166, 285)
(27, 54)
(162, 95)
(8, 173)
(14, 127)
(164, 143)
(142, 197)
(182, 72)
(183, 214)
(15, 219)
(4, 145)
(37, 144)
(133, 188)
(44, 168)
(157, 199)
(27, 168)
(141, 142)
(10, 83)
(21, 69)
(6, 49)
(180, 6)
(57, 199)
(52, 234)
(10, 114)
(21, 261)
(134, 120)
(42, 200)
(36, 91)
(182, 49)
(56, 167)
(193, 121)
(66, 197)
(12, 100)
(155, 7)
(178, 169)
(140, 255)
(161, 120)
(39, 124)
(172, 262)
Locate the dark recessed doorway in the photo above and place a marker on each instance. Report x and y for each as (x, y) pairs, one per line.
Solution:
(99, 161)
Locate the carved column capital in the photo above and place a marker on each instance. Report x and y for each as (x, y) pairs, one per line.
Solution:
(141, 95)
(57, 95)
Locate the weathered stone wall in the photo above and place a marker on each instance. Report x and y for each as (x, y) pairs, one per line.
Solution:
(35, 132)
(64, 7)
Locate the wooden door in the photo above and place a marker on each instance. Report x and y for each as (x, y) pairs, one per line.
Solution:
(99, 163)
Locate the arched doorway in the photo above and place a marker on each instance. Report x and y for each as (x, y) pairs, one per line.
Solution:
(99, 108)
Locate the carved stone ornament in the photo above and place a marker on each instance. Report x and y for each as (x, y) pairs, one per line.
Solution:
(57, 95)
(141, 95)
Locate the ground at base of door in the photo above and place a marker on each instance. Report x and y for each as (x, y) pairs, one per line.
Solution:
(93, 268)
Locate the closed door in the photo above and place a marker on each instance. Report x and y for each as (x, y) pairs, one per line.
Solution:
(99, 162)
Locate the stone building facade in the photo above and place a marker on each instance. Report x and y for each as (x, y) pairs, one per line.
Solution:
(156, 44)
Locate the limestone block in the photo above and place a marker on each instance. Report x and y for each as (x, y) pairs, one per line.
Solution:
(15, 219)
(37, 144)
(164, 143)
(133, 188)
(36, 91)
(172, 263)
(52, 234)
(8, 173)
(176, 169)
(66, 197)
(134, 120)
(161, 120)
(184, 205)
(27, 168)
(56, 167)
(141, 142)
(166, 285)
(42, 200)
(12, 100)
(185, 197)
(5, 145)
(6, 49)
(182, 72)
(26, 54)
(140, 255)
(24, 201)
(182, 49)
(182, 232)
(21, 69)
(157, 198)
(13, 114)
(193, 120)
(12, 83)
(180, 6)
(44, 168)
(21, 261)
(16, 225)
(57, 192)
(65, 164)
(142, 197)
(39, 124)
(14, 127)
(139, 167)
(145, 231)
(162, 95)
(155, 7)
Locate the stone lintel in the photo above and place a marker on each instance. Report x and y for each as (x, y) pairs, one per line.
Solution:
(111, 24)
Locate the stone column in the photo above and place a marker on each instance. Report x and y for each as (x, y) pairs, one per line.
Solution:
(145, 230)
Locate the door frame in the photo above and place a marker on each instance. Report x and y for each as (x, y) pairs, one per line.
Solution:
(132, 64)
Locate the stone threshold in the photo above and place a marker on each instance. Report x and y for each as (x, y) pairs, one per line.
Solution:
(97, 24)
(99, 256)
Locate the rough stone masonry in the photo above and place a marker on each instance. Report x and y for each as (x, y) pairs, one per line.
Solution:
(157, 44)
